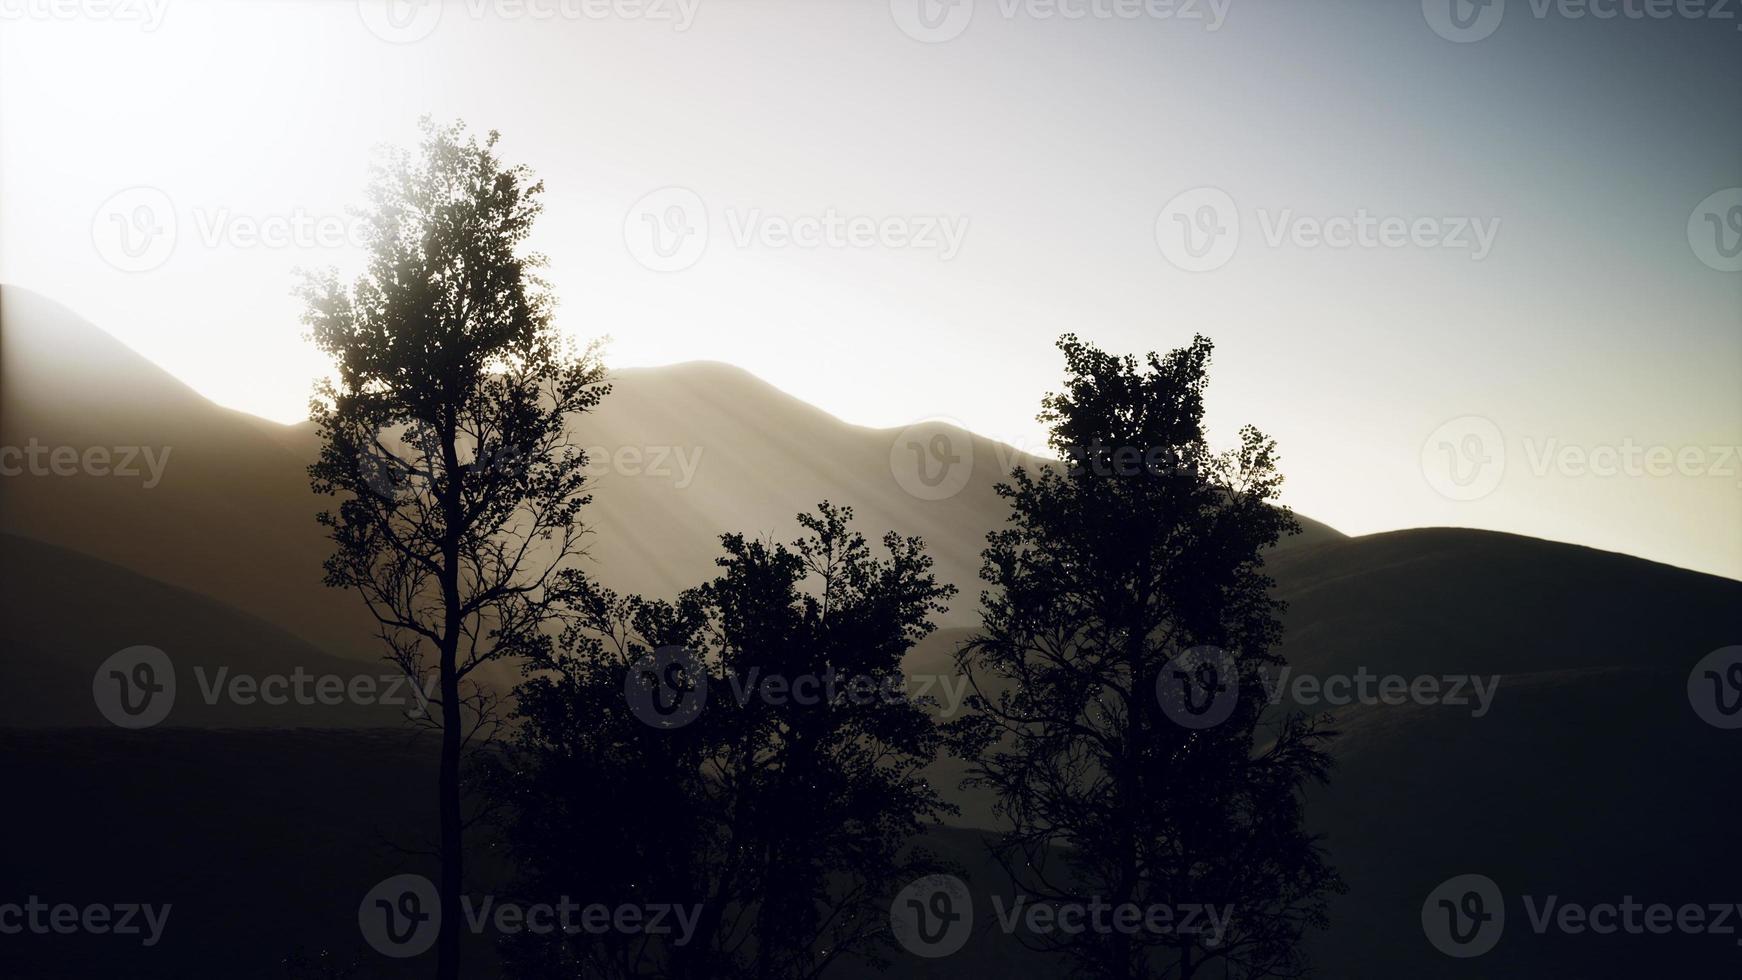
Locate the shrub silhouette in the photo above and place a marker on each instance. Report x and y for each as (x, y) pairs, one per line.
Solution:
(783, 806)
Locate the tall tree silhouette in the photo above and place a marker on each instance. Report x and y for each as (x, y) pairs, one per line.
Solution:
(443, 435)
(784, 806)
(1126, 590)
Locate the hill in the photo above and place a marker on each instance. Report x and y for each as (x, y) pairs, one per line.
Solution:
(684, 454)
(1583, 772)
(67, 613)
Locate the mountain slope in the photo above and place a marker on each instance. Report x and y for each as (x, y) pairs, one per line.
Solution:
(1461, 600)
(1588, 775)
(683, 454)
(66, 613)
(230, 515)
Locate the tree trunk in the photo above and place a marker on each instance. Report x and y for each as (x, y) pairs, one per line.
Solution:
(448, 803)
(448, 792)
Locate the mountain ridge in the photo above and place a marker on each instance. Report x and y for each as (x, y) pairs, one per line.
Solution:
(235, 487)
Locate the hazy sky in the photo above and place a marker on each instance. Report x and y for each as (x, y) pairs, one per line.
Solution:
(1528, 245)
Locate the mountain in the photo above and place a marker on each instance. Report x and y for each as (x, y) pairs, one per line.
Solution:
(67, 613)
(1454, 600)
(228, 514)
(1583, 772)
(684, 454)
(1588, 776)
(1565, 629)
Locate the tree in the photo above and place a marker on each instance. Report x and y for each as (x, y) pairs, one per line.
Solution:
(828, 787)
(1127, 589)
(444, 437)
(600, 808)
(783, 807)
